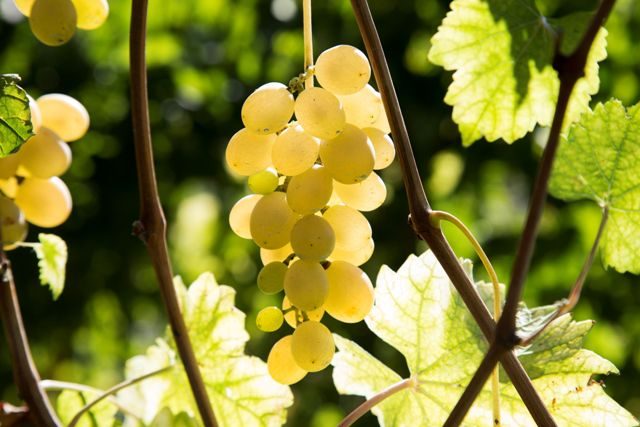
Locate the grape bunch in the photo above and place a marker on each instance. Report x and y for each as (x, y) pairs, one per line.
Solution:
(30, 187)
(311, 178)
(54, 22)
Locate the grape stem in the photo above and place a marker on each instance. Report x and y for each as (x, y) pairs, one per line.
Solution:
(308, 42)
(151, 228)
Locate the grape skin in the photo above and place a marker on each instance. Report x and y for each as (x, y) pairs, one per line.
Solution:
(269, 319)
(320, 113)
(382, 146)
(350, 295)
(240, 215)
(306, 285)
(349, 157)
(312, 346)
(365, 196)
(14, 226)
(53, 22)
(281, 364)
(45, 202)
(351, 228)
(294, 151)
(271, 277)
(91, 13)
(310, 191)
(271, 221)
(343, 69)
(64, 115)
(248, 153)
(268, 109)
(45, 155)
(312, 238)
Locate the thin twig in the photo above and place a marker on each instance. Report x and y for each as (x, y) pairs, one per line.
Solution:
(308, 42)
(152, 227)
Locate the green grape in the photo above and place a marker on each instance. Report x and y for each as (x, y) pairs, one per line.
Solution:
(248, 153)
(356, 257)
(63, 114)
(240, 215)
(268, 109)
(320, 113)
(312, 346)
(272, 221)
(280, 254)
(363, 196)
(91, 13)
(45, 202)
(295, 317)
(350, 296)
(264, 182)
(349, 157)
(281, 365)
(45, 155)
(351, 228)
(53, 22)
(36, 115)
(271, 277)
(269, 319)
(305, 284)
(9, 166)
(14, 226)
(343, 69)
(310, 191)
(363, 107)
(382, 146)
(294, 151)
(312, 238)
(24, 6)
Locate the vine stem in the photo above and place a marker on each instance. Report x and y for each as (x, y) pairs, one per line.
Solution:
(151, 228)
(420, 212)
(308, 41)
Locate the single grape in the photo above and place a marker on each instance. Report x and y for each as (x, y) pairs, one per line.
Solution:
(9, 166)
(53, 22)
(240, 215)
(310, 191)
(312, 238)
(271, 277)
(356, 257)
(312, 346)
(382, 146)
(294, 151)
(343, 69)
(45, 155)
(350, 296)
(363, 196)
(272, 221)
(36, 114)
(14, 226)
(382, 122)
(351, 228)
(91, 13)
(295, 317)
(281, 365)
(362, 108)
(24, 6)
(305, 284)
(9, 186)
(248, 153)
(269, 319)
(45, 202)
(280, 254)
(349, 157)
(268, 109)
(320, 113)
(264, 182)
(63, 114)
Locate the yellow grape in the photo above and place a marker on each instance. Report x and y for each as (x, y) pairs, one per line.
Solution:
(312, 346)
(53, 22)
(240, 215)
(9, 165)
(268, 109)
(349, 157)
(351, 228)
(91, 13)
(272, 221)
(343, 69)
(350, 296)
(363, 196)
(312, 238)
(305, 284)
(356, 257)
(264, 182)
(320, 113)
(36, 115)
(14, 226)
(45, 202)
(24, 6)
(45, 155)
(64, 115)
(294, 151)
(271, 277)
(248, 153)
(269, 319)
(310, 191)
(382, 122)
(280, 254)
(382, 146)
(295, 317)
(363, 107)
(9, 186)
(281, 365)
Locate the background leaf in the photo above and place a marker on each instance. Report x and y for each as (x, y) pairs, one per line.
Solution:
(15, 115)
(69, 403)
(52, 261)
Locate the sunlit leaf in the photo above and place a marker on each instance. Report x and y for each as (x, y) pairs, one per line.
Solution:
(15, 115)
(52, 262)
(70, 402)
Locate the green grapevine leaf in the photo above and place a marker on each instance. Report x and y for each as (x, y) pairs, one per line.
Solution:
(599, 161)
(419, 312)
(52, 261)
(240, 389)
(15, 115)
(69, 403)
(501, 52)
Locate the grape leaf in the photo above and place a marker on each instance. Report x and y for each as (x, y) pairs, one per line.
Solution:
(599, 161)
(418, 312)
(240, 389)
(501, 52)
(52, 261)
(15, 115)
(69, 403)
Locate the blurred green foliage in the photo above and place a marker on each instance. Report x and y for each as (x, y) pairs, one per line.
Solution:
(205, 57)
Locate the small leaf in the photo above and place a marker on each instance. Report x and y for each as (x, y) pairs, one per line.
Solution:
(15, 115)
(52, 261)
(599, 161)
(69, 403)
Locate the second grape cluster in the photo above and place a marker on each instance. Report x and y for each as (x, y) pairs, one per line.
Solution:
(311, 178)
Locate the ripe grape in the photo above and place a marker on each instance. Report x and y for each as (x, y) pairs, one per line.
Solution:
(269, 319)
(14, 226)
(295, 317)
(264, 182)
(9, 166)
(349, 157)
(45, 202)
(305, 284)
(382, 122)
(294, 151)
(312, 346)
(240, 215)
(63, 114)
(382, 146)
(320, 113)
(310, 191)
(363, 107)
(248, 153)
(268, 109)
(351, 228)
(281, 365)
(91, 13)
(36, 115)
(312, 238)
(356, 257)
(271, 277)
(271, 221)
(9, 186)
(45, 155)
(350, 296)
(53, 22)
(342, 69)
(280, 254)
(24, 6)
(363, 196)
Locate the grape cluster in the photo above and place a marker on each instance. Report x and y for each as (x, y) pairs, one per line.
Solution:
(30, 187)
(310, 180)
(54, 22)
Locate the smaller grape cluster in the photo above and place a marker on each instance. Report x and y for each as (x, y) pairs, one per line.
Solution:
(311, 178)
(54, 22)
(30, 187)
